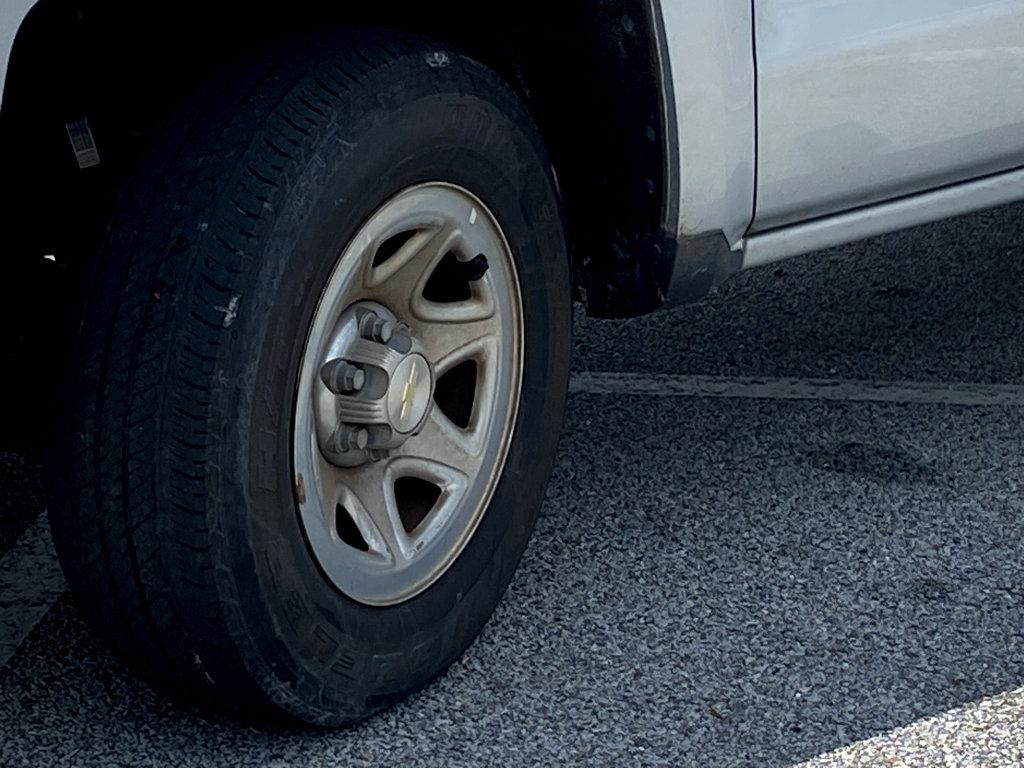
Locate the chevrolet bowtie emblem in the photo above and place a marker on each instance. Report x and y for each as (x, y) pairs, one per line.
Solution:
(409, 393)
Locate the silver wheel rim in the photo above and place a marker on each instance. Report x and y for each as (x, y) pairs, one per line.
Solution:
(407, 394)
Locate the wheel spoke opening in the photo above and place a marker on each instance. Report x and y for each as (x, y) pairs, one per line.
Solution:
(390, 247)
(348, 530)
(455, 393)
(416, 499)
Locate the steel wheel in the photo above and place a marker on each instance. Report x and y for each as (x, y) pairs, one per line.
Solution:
(408, 390)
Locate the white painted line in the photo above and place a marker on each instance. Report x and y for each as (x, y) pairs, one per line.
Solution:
(986, 733)
(30, 583)
(666, 385)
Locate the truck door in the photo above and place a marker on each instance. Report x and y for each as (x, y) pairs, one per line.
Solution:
(861, 101)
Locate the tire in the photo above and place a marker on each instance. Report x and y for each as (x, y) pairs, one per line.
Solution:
(176, 509)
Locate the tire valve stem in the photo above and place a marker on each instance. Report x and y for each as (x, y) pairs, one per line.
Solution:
(475, 269)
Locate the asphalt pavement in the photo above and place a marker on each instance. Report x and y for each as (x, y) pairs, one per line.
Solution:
(786, 526)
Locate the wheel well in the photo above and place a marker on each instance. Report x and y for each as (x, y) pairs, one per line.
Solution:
(588, 70)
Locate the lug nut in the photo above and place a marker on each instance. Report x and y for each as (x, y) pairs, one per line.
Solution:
(401, 340)
(348, 438)
(374, 327)
(342, 377)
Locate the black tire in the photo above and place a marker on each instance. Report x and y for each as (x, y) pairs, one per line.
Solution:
(173, 509)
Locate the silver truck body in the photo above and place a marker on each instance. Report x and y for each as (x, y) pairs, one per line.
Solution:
(804, 124)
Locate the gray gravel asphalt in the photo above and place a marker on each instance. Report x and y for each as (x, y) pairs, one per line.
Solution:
(722, 581)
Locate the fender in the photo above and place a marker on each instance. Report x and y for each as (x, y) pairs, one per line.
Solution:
(706, 70)
(708, 60)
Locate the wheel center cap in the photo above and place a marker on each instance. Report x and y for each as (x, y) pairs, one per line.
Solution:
(409, 393)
